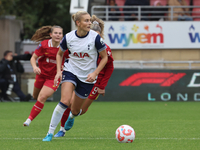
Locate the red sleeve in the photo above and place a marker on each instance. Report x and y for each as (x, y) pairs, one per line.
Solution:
(39, 51)
(107, 72)
(66, 54)
(109, 53)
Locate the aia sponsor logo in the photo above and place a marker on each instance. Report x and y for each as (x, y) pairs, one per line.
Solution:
(81, 55)
(163, 79)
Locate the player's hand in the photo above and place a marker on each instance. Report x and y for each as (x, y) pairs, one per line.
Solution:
(57, 77)
(101, 91)
(37, 70)
(91, 77)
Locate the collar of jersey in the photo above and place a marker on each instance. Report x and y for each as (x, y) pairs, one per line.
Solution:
(81, 36)
(50, 44)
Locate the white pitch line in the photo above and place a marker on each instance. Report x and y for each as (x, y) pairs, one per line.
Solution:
(61, 138)
(169, 138)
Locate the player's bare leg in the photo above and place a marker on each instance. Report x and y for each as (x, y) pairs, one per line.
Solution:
(77, 103)
(42, 95)
(86, 105)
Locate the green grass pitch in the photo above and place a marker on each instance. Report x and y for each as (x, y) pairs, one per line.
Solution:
(158, 126)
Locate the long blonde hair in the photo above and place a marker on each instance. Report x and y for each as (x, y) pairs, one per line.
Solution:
(43, 33)
(97, 25)
(77, 16)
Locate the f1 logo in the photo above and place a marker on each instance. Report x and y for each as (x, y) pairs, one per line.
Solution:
(192, 82)
(164, 79)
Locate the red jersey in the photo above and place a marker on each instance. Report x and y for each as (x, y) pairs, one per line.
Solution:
(47, 58)
(106, 72)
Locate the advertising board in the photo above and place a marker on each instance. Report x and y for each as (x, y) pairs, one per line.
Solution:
(152, 35)
(153, 85)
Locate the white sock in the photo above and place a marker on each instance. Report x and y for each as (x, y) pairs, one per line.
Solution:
(62, 129)
(28, 121)
(56, 117)
(73, 116)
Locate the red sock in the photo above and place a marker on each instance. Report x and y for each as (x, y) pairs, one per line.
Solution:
(65, 117)
(37, 108)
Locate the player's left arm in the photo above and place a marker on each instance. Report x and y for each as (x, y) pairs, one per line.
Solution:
(104, 59)
(101, 48)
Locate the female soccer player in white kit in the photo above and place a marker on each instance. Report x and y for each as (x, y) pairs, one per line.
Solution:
(80, 70)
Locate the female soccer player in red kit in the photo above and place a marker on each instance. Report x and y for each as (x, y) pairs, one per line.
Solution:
(102, 80)
(46, 71)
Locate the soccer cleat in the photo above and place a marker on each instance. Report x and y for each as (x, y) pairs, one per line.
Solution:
(48, 138)
(69, 123)
(25, 124)
(27, 98)
(60, 134)
(7, 99)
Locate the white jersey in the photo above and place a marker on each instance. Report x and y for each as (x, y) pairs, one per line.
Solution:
(83, 53)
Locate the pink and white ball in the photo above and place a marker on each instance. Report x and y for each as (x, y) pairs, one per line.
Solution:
(125, 134)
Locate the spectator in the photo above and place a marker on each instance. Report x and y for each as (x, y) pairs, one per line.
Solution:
(113, 11)
(180, 14)
(134, 15)
(159, 16)
(9, 66)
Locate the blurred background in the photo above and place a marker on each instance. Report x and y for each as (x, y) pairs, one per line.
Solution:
(155, 43)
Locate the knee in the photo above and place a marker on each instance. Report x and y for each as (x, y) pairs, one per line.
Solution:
(42, 98)
(66, 102)
(75, 111)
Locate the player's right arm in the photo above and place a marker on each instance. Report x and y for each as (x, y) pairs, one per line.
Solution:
(36, 69)
(39, 51)
(59, 58)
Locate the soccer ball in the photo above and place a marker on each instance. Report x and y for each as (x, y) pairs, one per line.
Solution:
(125, 134)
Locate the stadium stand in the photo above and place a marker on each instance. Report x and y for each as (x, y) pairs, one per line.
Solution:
(188, 2)
(196, 11)
(196, 2)
(176, 62)
(196, 14)
(190, 8)
(163, 2)
(95, 3)
(120, 2)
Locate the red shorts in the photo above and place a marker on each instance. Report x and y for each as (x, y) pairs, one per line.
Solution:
(94, 93)
(40, 81)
